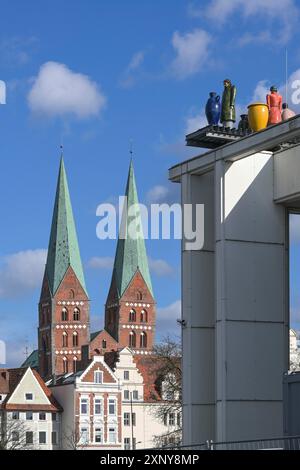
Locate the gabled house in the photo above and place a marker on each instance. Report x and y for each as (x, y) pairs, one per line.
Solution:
(92, 401)
(30, 415)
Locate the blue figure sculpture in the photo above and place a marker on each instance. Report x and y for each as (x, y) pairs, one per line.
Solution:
(213, 109)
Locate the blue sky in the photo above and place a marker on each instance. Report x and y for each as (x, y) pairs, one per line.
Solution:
(136, 70)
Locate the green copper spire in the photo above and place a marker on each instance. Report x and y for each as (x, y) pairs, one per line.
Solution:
(63, 250)
(131, 253)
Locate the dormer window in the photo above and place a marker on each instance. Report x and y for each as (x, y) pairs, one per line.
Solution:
(98, 377)
(28, 396)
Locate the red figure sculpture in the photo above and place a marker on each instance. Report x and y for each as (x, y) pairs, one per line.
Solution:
(274, 102)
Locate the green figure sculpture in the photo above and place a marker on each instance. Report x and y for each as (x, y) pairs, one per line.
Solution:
(228, 104)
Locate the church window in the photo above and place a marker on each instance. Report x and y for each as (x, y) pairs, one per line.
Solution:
(76, 314)
(71, 294)
(104, 344)
(64, 315)
(75, 339)
(144, 316)
(65, 365)
(143, 340)
(64, 340)
(74, 364)
(139, 295)
(132, 339)
(132, 315)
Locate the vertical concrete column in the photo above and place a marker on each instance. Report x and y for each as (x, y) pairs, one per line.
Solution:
(198, 335)
(251, 301)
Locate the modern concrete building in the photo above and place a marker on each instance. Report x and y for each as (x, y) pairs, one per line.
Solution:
(235, 291)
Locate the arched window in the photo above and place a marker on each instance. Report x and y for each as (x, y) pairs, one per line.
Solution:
(64, 314)
(143, 340)
(75, 338)
(144, 316)
(132, 339)
(64, 340)
(71, 294)
(74, 364)
(44, 345)
(104, 344)
(139, 295)
(65, 365)
(76, 314)
(132, 315)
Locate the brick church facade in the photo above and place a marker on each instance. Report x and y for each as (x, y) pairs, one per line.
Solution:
(64, 307)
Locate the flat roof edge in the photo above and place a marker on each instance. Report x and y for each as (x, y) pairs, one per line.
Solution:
(260, 141)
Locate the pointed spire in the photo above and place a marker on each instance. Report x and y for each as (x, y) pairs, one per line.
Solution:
(131, 253)
(63, 250)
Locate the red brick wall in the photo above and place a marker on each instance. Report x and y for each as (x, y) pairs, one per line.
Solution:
(70, 291)
(96, 348)
(130, 296)
(107, 377)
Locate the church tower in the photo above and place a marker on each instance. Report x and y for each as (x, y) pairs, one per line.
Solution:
(130, 305)
(64, 303)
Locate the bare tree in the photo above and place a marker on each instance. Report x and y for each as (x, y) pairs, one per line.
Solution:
(74, 438)
(166, 362)
(13, 434)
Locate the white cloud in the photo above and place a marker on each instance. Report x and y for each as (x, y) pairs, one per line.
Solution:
(260, 91)
(160, 267)
(166, 319)
(22, 272)
(192, 51)
(195, 121)
(105, 262)
(130, 74)
(283, 13)
(159, 194)
(136, 60)
(59, 91)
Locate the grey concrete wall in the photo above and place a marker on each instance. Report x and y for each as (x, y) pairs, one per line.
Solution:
(198, 312)
(251, 304)
(235, 304)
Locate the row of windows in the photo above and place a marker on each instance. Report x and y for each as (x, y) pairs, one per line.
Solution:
(171, 419)
(67, 365)
(143, 316)
(31, 416)
(29, 437)
(65, 314)
(84, 437)
(134, 395)
(98, 406)
(127, 420)
(65, 339)
(127, 443)
(132, 339)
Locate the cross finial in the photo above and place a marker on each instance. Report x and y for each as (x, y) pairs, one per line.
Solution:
(131, 148)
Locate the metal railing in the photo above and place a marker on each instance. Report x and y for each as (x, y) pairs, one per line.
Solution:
(279, 443)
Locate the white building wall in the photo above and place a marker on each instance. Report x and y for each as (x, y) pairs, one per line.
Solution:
(66, 397)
